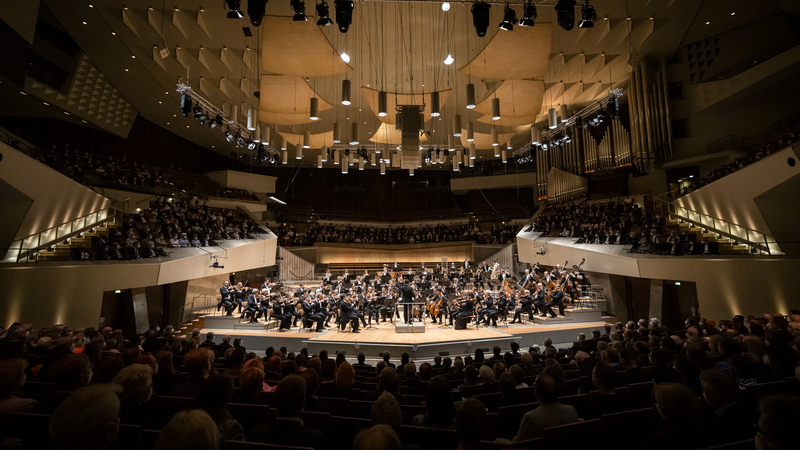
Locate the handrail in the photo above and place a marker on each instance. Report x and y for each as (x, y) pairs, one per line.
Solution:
(51, 235)
(734, 231)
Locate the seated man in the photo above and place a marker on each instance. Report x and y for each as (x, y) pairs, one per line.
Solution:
(550, 413)
(87, 419)
(556, 299)
(288, 429)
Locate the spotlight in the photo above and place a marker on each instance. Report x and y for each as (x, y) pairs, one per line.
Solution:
(256, 9)
(229, 136)
(324, 16)
(449, 60)
(613, 108)
(300, 11)
(480, 17)
(186, 104)
(509, 19)
(445, 6)
(198, 112)
(528, 15)
(251, 145)
(565, 10)
(235, 9)
(344, 14)
(588, 16)
(217, 121)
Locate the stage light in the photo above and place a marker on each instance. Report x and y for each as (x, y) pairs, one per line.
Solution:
(446, 6)
(509, 19)
(256, 10)
(528, 15)
(480, 17)
(565, 11)
(300, 11)
(229, 136)
(217, 121)
(186, 104)
(344, 14)
(613, 108)
(588, 16)
(448, 60)
(324, 15)
(235, 9)
(345, 57)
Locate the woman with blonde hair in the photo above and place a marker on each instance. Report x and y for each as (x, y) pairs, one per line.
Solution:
(755, 346)
(189, 430)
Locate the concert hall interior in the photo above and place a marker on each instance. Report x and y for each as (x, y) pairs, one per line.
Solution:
(472, 225)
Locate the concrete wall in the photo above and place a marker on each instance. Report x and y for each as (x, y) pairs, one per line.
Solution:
(250, 182)
(72, 293)
(732, 198)
(56, 198)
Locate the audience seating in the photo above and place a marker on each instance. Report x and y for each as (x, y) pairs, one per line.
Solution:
(576, 435)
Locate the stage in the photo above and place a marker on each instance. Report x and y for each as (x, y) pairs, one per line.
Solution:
(436, 340)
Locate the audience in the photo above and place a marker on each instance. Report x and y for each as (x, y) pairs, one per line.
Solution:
(724, 365)
(189, 430)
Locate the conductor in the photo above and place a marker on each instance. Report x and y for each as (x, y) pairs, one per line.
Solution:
(407, 293)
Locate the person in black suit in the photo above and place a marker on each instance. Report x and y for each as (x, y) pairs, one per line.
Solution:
(278, 314)
(556, 299)
(407, 293)
(287, 429)
(251, 307)
(308, 310)
(466, 310)
(526, 278)
(227, 298)
(290, 309)
(348, 312)
(525, 305)
(489, 311)
(538, 300)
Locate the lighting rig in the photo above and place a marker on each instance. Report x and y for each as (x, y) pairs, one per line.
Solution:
(212, 117)
(591, 116)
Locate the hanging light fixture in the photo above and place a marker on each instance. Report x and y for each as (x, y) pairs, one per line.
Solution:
(324, 153)
(434, 104)
(284, 157)
(509, 146)
(336, 157)
(319, 161)
(307, 139)
(509, 18)
(344, 14)
(472, 151)
(313, 108)
(411, 172)
(345, 168)
(324, 15)
(470, 96)
(257, 134)
(336, 138)
(360, 163)
(346, 92)
(528, 14)
(588, 16)
(565, 12)
(495, 140)
(457, 125)
(563, 112)
(449, 59)
(536, 134)
(299, 11)
(251, 120)
(354, 134)
(383, 167)
(480, 17)
(495, 108)
(451, 146)
(470, 132)
(382, 104)
(552, 118)
(265, 134)
(504, 157)
(282, 141)
(455, 163)
(299, 150)
(372, 159)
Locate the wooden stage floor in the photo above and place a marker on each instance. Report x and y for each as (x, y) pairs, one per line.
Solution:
(434, 339)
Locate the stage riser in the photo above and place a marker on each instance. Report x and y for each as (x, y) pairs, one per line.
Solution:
(415, 351)
(584, 315)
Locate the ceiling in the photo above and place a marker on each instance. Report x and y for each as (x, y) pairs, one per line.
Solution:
(396, 46)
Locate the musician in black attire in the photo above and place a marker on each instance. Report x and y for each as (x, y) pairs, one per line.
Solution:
(407, 293)
(251, 307)
(489, 310)
(227, 298)
(525, 305)
(466, 310)
(277, 313)
(436, 297)
(289, 309)
(556, 299)
(538, 300)
(358, 285)
(526, 279)
(501, 309)
(239, 296)
(311, 314)
(348, 312)
(262, 309)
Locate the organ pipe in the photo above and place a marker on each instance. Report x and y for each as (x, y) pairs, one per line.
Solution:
(667, 118)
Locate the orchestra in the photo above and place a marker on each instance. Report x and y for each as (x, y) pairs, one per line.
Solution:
(438, 294)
